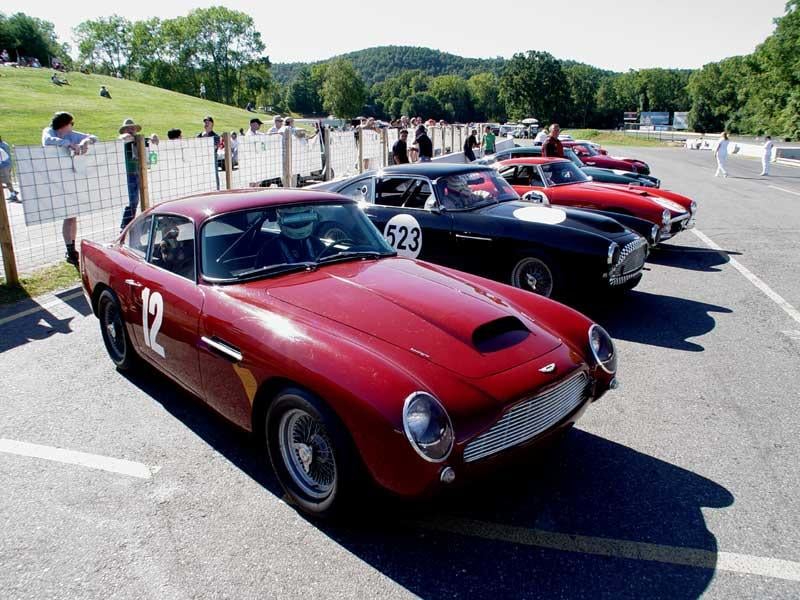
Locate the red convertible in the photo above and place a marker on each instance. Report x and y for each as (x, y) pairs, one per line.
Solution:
(349, 364)
(562, 183)
(594, 158)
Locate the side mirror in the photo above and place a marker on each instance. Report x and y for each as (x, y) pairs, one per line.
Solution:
(536, 198)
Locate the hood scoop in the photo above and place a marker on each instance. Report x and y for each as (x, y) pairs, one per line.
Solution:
(499, 334)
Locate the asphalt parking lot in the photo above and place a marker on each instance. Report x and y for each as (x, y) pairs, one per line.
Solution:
(682, 483)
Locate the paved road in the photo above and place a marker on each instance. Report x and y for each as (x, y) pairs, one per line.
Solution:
(682, 483)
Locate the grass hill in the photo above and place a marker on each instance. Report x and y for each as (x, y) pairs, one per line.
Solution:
(377, 64)
(28, 100)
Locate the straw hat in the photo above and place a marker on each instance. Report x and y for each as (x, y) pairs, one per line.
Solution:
(127, 124)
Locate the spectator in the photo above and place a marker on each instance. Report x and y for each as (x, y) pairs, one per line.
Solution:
(469, 146)
(4, 56)
(721, 154)
(488, 141)
(104, 92)
(127, 134)
(174, 134)
(250, 107)
(5, 171)
(766, 157)
(208, 131)
(61, 133)
(540, 138)
(400, 149)
(234, 149)
(277, 125)
(552, 146)
(423, 144)
(202, 90)
(55, 79)
(255, 127)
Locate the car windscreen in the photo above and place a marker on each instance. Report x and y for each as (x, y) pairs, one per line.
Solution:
(571, 156)
(562, 173)
(271, 240)
(470, 190)
(589, 150)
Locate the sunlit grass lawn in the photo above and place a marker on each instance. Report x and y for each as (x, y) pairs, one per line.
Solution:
(49, 279)
(611, 138)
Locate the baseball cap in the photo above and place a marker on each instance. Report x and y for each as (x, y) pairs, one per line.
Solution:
(256, 120)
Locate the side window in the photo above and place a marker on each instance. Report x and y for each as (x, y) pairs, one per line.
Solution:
(361, 190)
(173, 245)
(139, 236)
(404, 192)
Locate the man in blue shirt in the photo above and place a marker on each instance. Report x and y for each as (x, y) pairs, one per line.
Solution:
(61, 133)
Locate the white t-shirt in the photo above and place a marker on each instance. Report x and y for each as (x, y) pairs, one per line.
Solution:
(274, 129)
(540, 137)
(722, 148)
(768, 148)
(251, 132)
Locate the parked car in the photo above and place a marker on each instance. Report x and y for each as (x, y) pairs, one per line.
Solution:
(564, 184)
(597, 174)
(348, 363)
(469, 218)
(592, 158)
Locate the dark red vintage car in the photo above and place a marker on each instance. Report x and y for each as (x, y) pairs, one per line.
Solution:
(592, 157)
(564, 184)
(348, 363)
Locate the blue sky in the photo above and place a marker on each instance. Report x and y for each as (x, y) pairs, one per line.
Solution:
(606, 33)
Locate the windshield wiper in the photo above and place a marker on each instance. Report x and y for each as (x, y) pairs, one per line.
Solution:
(349, 255)
(269, 270)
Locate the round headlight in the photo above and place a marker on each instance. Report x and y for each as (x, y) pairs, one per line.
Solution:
(665, 216)
(693, 207)
(613, 253)
(427, 426)
(602, 347)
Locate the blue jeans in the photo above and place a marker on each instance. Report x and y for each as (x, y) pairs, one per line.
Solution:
(424, 159)
(133, 200)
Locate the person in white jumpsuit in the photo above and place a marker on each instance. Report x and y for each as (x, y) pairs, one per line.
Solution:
(721, 154)
(766, 157)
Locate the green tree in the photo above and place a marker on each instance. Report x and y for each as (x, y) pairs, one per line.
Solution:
(27, 36)
(583, 82)
(452, 93)
(422, 104)
(483, 89)
(302, 95)
(105, 43)
(533, 85)
(343, 92)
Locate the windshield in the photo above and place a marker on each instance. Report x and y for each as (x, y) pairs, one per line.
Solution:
(571, 156)
(470, 190)
(272, 240)
(587, 149)
(562, 173)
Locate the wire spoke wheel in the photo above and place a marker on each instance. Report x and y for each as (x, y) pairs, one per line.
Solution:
(307, 453)
(533, 275)
(113, 331)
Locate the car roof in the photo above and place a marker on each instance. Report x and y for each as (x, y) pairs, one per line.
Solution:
(533, 160)
(434, 170)
(200, 207)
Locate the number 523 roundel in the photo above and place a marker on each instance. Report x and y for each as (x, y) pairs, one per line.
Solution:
(290, 313)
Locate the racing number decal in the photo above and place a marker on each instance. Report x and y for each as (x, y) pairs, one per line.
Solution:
(152, 304)
(404, 234)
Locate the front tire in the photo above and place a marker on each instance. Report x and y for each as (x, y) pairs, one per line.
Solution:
(535, 275)
(115, 335)
(311, 453)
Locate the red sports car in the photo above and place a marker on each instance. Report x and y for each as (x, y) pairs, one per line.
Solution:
(565, 184)
(348, 363)
(594, 158)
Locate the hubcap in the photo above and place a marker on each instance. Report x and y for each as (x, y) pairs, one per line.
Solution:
(307, 453)
(113, 329)
(534, 275)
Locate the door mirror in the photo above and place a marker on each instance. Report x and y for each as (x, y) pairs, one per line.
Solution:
(536, 197)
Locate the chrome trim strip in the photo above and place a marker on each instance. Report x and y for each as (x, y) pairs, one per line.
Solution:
(222, 348)
(473, 237)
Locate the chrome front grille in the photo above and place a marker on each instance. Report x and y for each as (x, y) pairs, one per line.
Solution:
(631, 260)
(530, 417)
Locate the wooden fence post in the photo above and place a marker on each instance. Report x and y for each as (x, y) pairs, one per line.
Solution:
(452, 139)
(226, 140)
(385, 147)
(287, 159)
(7, 243)
(360, 150)
(144, 189)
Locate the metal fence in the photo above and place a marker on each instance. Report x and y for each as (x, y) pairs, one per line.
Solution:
(97, 188)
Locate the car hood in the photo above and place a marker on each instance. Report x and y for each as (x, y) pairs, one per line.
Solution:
(414, 306)
(555, 215)
(657, 196)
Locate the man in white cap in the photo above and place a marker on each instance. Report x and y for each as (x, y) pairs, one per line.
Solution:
(277, 125)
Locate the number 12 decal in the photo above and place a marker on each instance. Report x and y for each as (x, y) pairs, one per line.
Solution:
(152, 304)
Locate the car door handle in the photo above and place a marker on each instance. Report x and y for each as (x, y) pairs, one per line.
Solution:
(133, 283)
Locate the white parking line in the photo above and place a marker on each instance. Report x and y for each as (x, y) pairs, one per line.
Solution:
(47, 305)
(93, 461)
(752, 278)
(784, 190)
(675, 555)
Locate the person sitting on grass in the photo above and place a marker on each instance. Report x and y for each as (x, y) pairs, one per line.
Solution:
(104, 93)
(55, 79)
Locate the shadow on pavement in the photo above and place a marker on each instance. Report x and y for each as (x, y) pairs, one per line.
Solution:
(39, 323)
(690, 257)
(586, 485)
(655, 319)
